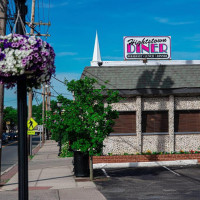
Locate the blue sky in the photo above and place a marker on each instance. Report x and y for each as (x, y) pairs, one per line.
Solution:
(74, 25)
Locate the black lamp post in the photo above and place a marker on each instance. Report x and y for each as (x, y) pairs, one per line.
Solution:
(59, 104)
(22, 115)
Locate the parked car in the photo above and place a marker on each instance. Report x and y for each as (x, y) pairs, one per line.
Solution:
(8, 135)
(4, 138)
(13, 136)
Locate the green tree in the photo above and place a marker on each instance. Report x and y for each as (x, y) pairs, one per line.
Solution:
(56, 119)
(10, 117)
(87, 120)
(37, 113)
(90, 117)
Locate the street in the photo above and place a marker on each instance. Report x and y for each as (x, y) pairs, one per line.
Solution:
(10, 152)
(150, 183)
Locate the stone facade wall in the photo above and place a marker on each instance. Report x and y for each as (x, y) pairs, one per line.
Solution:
(155, 143)
(187, 142)
(139, 143)
(125, 105)
(152, 104)
(187, 103)
(120, 145)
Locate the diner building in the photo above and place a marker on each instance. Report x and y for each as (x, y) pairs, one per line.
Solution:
(161, 106)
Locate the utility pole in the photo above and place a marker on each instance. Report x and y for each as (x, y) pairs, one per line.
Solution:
(3, 16)
(32, 25)
(47, 93)
(30, 95)
(21, 9)
(43, 111)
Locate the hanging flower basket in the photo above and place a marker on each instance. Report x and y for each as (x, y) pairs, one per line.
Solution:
(20, 54)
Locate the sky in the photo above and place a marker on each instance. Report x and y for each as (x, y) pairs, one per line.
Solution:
(74, 24)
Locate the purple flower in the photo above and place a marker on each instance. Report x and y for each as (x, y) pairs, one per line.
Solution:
(2, 56)
(13, 45)
(40, 59)
(44, 65)
(30, 57)
(24, 62)
(35, 61)
(36, 55)
(17, 45)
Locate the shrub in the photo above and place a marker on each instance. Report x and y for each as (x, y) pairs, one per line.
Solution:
(65, 151)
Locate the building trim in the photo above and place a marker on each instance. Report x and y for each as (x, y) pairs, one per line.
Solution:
(158, 133)
(150, 62)
(185, 133)
(159, 92)
(123, 134)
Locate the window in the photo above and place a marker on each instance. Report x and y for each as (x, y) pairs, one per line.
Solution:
(126, 123)
(187, 121)
(154, 121)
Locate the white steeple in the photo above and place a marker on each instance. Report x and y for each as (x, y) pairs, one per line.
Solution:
(96, 61)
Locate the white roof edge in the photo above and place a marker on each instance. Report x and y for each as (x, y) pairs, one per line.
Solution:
(149, 62)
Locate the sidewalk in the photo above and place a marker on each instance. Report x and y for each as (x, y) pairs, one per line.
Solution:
(51, 178)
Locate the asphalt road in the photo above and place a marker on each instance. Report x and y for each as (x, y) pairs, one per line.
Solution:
(10, 153)
(158, 183)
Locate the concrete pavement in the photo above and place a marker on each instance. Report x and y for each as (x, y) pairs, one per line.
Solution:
(51, 177)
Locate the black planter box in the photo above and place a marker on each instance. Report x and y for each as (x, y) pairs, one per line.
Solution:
(81, 164)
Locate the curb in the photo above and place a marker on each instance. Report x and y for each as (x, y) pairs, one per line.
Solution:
(11, 171)
(145, 164)
(7, 170)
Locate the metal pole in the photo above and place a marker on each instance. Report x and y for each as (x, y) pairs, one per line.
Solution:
(40, 138)
(22, 144)
(60, 139)
(43, 112)
(31, 92)
(31, 145)
(3, 8)
(22, 117)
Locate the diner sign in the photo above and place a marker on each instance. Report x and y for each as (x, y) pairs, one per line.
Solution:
(147, 47)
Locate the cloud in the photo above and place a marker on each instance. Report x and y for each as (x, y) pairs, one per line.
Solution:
(179, 55)
(169, 22)
(112, 58)
(46, 5)
(85, 2)
(83, 58)
(195, 38)
(66, 53)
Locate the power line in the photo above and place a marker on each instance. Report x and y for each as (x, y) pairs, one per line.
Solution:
(54, 90)
(58, 80)
(43, 93)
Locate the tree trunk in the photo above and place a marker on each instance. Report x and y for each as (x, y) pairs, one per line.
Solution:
(91, 169)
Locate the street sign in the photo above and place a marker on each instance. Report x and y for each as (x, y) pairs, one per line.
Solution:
(31, 132)
(40, 128)
(31, 124)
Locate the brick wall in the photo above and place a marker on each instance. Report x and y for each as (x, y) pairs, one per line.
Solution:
(144, 158)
